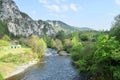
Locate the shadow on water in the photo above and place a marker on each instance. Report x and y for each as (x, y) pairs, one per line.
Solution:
(54, 67)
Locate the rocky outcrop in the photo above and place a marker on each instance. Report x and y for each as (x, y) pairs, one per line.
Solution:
(20, 23)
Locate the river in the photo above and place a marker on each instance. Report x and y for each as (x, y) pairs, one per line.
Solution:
(53, 67)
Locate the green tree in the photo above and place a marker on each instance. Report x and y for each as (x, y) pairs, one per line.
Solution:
(38, 46)
(99, 60)
(52, 43)
(115, 30)
(84, 37)
(58, 44)
(3, 29)
(60, 35)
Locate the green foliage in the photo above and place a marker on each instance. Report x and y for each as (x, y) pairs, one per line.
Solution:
(4, 43)
(58, 44)
(3, 29)
(38, 46)
(115, 30)
(60, 35)
(6, 38)
(1, 77)
(84, 37)
(75, 56)
(67, 45)
(52, 43)
(18, 58)
(99, 60)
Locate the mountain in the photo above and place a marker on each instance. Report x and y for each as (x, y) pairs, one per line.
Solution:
(59, 25)
(19, 23)
(84, 29)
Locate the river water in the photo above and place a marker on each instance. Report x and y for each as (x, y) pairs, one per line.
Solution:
(53, 67)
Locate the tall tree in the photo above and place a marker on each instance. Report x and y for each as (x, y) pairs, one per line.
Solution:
(115, 30)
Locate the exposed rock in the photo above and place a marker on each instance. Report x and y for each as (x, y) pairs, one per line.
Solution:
(62, 53)
(20, 23)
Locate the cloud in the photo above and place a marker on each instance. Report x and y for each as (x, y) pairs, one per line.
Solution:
(74, 7)
(60, 1)
(59, 6)
(59, 16)
(53, 7)
(43, 1)
(117, 2)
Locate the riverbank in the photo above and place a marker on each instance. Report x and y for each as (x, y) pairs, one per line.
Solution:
(21, 69)
(15, 61)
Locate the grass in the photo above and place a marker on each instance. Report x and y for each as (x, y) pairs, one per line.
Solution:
(6, 68)
(7, 50)
(10, 58)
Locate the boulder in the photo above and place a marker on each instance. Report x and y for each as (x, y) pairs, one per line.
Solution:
(62, 53)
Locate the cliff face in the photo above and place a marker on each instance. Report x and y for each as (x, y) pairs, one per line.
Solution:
(20, 23)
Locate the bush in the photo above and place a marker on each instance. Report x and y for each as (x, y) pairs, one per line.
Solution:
(67, 45)
(6, 38)
(84, 37)
(58, 44)
(99, 60)
(75, 56)
(115, 30)
(52, 43)
(38, 46)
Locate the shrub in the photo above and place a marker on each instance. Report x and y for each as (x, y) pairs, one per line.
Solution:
(6, 38)
(84, 37)
(58, 44)
(115, 30)
(75, 56)
(38, 46)
(52, 43)
(99, 60)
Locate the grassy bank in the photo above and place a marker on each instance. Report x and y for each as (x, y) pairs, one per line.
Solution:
(11, 58)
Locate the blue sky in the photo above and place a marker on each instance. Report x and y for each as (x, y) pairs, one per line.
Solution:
(96, 14)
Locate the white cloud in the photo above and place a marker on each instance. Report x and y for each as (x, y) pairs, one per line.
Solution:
(59, 6)
(43, 1)
(74, 7)
(59, 16)
(60, 1)
(117, 2)
(53, 7)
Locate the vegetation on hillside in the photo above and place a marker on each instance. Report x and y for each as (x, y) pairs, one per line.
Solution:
(3, 29)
